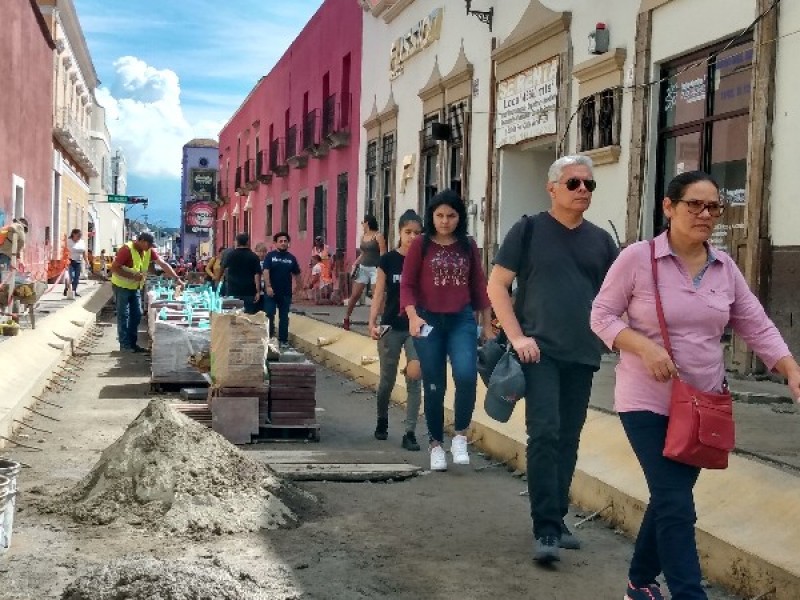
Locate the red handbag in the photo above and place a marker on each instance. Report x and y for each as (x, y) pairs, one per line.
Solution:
(701, 431)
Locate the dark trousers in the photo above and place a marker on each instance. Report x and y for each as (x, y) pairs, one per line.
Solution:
(666, 540)
(556, 400)
(280, 304)
(129, 315)
(454, 336)
(74, 273)
(250, 306)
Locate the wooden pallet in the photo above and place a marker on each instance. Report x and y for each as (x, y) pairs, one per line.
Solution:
(287, 433)
(161, 386)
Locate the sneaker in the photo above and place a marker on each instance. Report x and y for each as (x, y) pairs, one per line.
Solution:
(346, 324)
(410, 442)
(649, 592)
(546, 550)
(139, 350)
(569, 540)
(438, 459)
(458, 448)
(382, 429)
(283, 345)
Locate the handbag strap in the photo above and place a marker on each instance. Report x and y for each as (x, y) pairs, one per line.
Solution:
(662, 322)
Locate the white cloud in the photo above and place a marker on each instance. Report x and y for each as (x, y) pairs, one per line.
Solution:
(145, 117)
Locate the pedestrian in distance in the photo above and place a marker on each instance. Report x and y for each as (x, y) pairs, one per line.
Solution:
(442, 288)
(128, 274)
(559, 260)
(103, 264)
(280, 267)
(213, 267)
(393, 336)
(702, 293)
(241, 270)
(365, 268)
(76, 246)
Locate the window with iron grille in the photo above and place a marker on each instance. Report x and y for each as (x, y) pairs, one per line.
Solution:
(302, 215)
(310, 129)
(329, 116)
(342, 190)
(457, 121)
(371, 177)
(285, 215)
(246, 222)
(268, 229)
(320, 212)
(291, 141)
(600, 120)
(387, 185)
(429, 159)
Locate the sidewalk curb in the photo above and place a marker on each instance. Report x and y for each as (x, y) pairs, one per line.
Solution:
(29, 359)
(748, 530)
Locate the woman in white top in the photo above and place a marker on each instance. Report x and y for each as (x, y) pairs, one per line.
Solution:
(77, 254)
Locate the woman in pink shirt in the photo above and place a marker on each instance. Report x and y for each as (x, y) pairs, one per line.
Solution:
(703, 292)
(442, 287)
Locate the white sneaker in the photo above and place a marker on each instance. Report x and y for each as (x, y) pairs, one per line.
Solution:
(458, 448)
(438, 459)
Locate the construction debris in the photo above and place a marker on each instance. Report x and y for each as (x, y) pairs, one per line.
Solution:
(171, 474)
(141, 578)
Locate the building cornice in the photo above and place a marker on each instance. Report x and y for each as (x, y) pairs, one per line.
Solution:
(520, 41)
(434, 85)
(394, 11)
(462, 71)
(382, 6)
(600, 65)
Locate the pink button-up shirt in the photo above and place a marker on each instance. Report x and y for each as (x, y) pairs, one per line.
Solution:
(696, 318)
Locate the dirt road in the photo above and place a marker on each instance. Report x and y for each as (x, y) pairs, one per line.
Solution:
(460, 534)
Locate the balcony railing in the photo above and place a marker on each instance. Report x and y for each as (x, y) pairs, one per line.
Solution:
(249, 171)
(262, 161)
(336, 121)
(291, 141)
(277, 158)
(310, 138)
(238, 179)
(76, 140)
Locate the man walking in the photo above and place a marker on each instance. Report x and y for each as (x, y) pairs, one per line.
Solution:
(128, 274)
(241, 271)
(279, 267)
(559, 272)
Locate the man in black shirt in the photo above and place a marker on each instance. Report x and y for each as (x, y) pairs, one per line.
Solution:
(279, 267)
(242, 273)
(558, 274)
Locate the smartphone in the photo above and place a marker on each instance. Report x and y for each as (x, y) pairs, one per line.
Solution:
(425, 331)
(383, 329)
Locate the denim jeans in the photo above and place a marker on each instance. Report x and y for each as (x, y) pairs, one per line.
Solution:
(281, 305)
(453, 336)
(666, 540)
(389, 347)
(74, 273)
(129, 315)
(556, 400)
(5, 261)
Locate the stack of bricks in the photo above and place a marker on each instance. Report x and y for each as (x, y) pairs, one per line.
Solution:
(292, 400)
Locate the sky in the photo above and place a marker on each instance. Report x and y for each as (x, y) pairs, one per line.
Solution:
(172, 71)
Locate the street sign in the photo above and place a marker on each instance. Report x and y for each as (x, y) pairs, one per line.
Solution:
(117, 199)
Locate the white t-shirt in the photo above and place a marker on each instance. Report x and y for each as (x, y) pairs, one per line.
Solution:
(76, 249)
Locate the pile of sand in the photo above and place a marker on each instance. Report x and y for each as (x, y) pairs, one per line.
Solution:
(150, 579)
(169, 473)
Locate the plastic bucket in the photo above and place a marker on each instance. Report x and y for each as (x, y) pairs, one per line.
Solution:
(9, 470)
(5, 499)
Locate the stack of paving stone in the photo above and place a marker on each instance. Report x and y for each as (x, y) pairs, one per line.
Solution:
(292, 400)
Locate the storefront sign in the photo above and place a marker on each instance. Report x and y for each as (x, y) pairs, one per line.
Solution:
(419, 37)
(200, 217)
(202, 184)
(526, 104)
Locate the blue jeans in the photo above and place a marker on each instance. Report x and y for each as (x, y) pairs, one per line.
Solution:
(556, 400)
(666, 540)
(5, 261)
(281, 305)
(453, 336)
(74, 273)
(129, 315)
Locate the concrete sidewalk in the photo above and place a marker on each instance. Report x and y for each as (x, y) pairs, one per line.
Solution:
(749, 516)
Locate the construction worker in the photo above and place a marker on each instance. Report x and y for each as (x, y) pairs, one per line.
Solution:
(12, 240)
(128, 274)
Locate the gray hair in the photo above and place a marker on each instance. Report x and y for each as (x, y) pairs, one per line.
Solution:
(557, 168)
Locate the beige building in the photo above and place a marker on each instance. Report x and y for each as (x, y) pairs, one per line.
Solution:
(482, 96)
(75, 161)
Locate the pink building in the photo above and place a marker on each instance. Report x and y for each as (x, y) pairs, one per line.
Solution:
(289, 155)
(26, 126)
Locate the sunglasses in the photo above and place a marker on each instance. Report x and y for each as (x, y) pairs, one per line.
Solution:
(573, 183)
(696, 207)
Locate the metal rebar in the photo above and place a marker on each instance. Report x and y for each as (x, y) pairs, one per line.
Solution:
(47, 402)
(40, 414)
(592, 516)
(20, 444)
(24, 424)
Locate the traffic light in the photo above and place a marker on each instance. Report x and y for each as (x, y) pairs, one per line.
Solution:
(137, 200)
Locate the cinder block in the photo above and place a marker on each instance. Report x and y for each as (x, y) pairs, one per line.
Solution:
(235, 418)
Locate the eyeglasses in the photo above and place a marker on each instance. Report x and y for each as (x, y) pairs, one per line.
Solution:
(573, 183)
(696, 207)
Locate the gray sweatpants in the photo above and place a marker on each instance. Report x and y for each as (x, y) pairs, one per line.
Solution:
(389, 347)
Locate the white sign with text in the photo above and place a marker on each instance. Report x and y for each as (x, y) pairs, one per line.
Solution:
(526, 104)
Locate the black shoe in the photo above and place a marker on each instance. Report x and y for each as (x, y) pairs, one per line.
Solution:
(140, 350)
(546, 550)
(382, 429)
(410, 442)
(65, 292)
(77, 294)
(568, 539)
